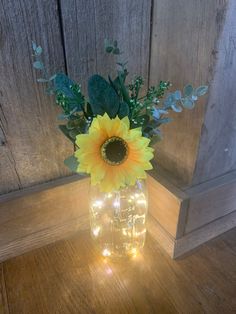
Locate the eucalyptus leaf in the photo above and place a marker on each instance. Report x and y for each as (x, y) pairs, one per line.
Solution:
(109, 49)
(103, 97)
(38, 65)
(116, 51)
(165, 120)
(188, 90)
(187, 103)
(38, 50)
(201, 90)
(176, 108)
(62, 116)
(177, 95)
(72, 163)
(34, 46)
(42, 80)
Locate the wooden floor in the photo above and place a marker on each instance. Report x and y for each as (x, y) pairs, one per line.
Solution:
(69, 277)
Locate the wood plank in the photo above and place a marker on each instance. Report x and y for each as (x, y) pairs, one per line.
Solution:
(165, 205)
(71, 277)
(3, 295)
(210, 201)
(204, 234)
(183, 50)
(217, 150)
(38, 218)
(32, 149)
(126, 21)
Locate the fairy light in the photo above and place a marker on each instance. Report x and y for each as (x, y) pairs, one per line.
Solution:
(116, 203)
(106, 252)
(141, 202)
(98, 204)
(96, 231)
(109, 195)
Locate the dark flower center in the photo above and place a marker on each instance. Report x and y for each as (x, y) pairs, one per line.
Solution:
(114, 150)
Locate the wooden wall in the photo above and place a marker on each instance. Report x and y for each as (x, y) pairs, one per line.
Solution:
(72, 34)
(185, 35)
(182, 41)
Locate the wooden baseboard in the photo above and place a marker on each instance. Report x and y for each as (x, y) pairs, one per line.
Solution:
(179, 247)
(205, 212)
(178, 220)
(43, 214)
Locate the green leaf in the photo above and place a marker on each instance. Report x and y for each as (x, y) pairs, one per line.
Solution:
(201, 90)
(34, 46)
(72, 163)
(52, 77)
(103, 97)
(188, 90)
(38, 65)
(116, 51)
(155, 138)
(123, 110)
(73, 133)
(38, 50)
(187, 103)
(42, 80)
(109, 49)
(123, 89)
(70, 92)
(66, 132)
(176, 108)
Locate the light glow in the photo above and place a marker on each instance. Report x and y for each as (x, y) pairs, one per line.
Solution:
(106, 252)
(96, 231)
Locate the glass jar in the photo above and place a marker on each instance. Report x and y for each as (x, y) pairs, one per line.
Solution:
(118, 219)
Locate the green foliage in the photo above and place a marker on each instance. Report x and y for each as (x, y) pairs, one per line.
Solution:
(112, 47)
(102, 96)
(114, 97)
(66, 132)
(68, 95)
(72, 163)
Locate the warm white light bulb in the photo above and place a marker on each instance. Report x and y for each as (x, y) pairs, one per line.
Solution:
(106, 252)
(96, 231)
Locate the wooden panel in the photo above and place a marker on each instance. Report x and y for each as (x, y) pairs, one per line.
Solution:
(70, 277)
(87, 23)
(31, 148)
(165, 204)
(204, 234)
(210, 201)
(184, 39)
(3, 295)
(217, 151)
(34, 219)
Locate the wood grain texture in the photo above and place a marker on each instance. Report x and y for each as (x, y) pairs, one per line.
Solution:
(32, 148)
(183, 50)
(87, 23)
(33, 219)
(210, 201)
(3, 294)
(70, 277)
(217, 150)
(165, 204)
(204, 234)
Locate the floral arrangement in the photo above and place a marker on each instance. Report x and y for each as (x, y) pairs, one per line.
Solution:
(113, 130)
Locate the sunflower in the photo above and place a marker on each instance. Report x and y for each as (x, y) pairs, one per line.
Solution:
(113, 154)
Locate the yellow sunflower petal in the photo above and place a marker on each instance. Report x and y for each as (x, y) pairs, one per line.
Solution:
(113, 176)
